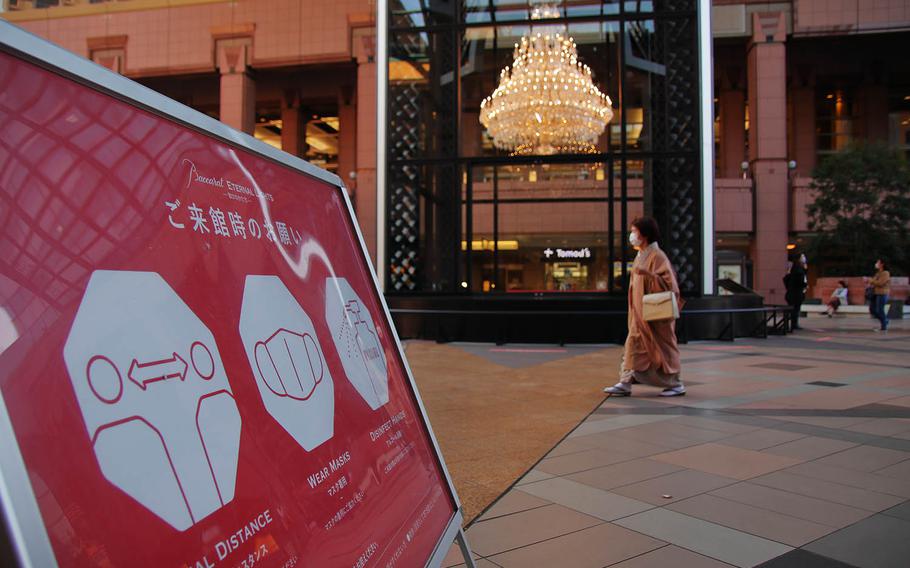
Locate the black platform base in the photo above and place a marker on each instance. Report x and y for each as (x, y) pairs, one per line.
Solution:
(571, 318)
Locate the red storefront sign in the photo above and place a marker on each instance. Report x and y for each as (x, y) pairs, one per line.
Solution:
(196, 365)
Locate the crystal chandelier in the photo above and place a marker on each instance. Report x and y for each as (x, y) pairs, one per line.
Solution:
(548, 103)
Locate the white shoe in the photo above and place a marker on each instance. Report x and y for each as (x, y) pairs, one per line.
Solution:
(675, 391)
(619, 389)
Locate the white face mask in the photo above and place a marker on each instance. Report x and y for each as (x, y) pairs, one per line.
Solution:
(634, 239)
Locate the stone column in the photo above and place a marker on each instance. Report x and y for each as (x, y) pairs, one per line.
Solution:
(767, 78)
(293, 126)
(802, 98)
(238, 89)
(875, 111)
(732, 104)
(365, 197)
(347, 139)
(108, 51)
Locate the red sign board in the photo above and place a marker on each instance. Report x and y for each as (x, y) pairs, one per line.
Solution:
(196, 364)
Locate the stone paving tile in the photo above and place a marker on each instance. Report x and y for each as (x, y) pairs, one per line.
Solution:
(625, 473)
(877, 542)
(534, 475)
(824, 398)
(801, 558)
(836, 493)
(514, 501)
(784, 502)
(755, 400)
(580, 461)
(753, 520)
(882, 426)
(899, 470)
(615, 423)
(828, 421)
(525, 528)
(671, 435)
(902, 401)
(479, 563)
(901, 511)
(710, 539)
(761, 439)
(726, 461)
(616, 442)
(594, 547)
(671, 555)
(586, 499)
(864, 458)
(854, 478)
(679, 485)
(454, 558)
(809, 448)
(571, 446)
(725, 427)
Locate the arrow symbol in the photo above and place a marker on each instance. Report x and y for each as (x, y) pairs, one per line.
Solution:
(144, 374)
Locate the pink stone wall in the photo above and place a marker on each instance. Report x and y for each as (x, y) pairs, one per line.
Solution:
(800, 198)
(849, 16)
(733, 205)
(856, 287)
(179, 39)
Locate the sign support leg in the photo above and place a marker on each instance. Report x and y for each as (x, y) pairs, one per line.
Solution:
(465, 549)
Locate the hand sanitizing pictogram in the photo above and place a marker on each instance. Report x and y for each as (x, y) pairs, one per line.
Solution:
(354, 335)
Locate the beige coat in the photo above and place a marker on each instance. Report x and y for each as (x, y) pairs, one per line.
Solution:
(881, 283)
(651, 344)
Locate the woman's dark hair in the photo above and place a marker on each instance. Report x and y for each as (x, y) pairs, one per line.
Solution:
(794, 256)
(843, 283)
(647, 227)
(882, 260)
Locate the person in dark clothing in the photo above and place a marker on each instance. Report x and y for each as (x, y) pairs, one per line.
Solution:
(796, 282)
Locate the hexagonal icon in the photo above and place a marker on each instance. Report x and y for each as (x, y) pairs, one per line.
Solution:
(287, 361)
(354, 334)
(154, 396)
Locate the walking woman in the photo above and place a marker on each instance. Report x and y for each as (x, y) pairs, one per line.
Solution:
(881, 287)
(651, 355)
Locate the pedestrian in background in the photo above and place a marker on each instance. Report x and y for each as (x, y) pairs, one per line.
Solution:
(838, 298)
(796, 283)
(881, 287)
(651, 355)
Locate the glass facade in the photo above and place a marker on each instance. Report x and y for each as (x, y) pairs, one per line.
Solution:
(465, 217)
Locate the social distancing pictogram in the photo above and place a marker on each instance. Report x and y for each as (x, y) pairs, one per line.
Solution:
(154, 396)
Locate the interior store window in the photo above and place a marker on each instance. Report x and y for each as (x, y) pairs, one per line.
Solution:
(547, 227)
(834, 119)
(899, 119)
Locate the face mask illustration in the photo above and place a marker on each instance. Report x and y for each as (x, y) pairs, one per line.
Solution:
(289, 364)
(154, 397)
(287, 361)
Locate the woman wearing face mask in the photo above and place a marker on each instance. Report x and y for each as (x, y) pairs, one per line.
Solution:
(881, 287)
(651, 355)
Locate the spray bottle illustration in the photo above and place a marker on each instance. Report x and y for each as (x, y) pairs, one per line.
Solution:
(357, 343)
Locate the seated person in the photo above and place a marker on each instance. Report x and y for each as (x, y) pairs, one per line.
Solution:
(838, 298)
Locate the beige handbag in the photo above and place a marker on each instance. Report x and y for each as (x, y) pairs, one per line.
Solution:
(661, 306)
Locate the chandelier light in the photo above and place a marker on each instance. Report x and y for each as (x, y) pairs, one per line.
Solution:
(546, 103)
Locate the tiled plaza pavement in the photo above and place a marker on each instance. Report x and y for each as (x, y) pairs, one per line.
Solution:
(786, 452)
